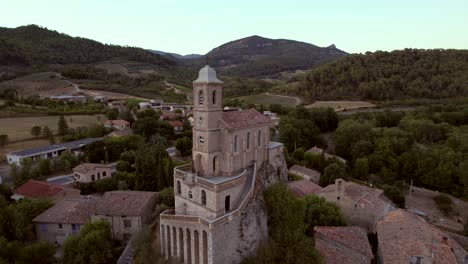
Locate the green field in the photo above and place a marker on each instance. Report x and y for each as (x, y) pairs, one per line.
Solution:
(19, 128)
(267, 99)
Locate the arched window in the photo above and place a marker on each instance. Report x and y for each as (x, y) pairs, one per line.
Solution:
(248, 140)
(235, 143)
(214, 164)
(214, 97)
(200, 97)
(259, 138)
(203, 197)
(179, 188)
(190, 195)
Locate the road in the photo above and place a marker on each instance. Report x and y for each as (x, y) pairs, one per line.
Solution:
(297, 99)
(61, 180)
(171, 151)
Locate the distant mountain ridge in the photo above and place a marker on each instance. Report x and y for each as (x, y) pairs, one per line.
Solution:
(259, 56)
(176, 55)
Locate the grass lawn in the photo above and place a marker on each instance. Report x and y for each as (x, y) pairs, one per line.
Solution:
(267, 99)
(341, 105)
(18, 128)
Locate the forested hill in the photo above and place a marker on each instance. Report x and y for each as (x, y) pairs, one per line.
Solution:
(408, 73)
(257, 56)
(34, 45)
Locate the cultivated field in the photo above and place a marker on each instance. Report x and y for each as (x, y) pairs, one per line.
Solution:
(267, 99)
(19, 128)
(43, 84)
(341, 105)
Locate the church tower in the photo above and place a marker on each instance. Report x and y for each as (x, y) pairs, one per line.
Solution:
(207, 114)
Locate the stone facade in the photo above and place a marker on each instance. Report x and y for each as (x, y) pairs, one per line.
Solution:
(218, 197)
(91, 172)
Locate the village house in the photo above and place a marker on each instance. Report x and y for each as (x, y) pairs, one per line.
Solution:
(170, 116)
(33, 189)
(49, 152)
(306, 173)
(118, 124)
(274, 118)
(126, 211)
(343, 244)
(211, 193)
(70, 98)
(177, 125)
(91, 172)
(302, 188)
(325, 155)
(361, 205)
(404, 237)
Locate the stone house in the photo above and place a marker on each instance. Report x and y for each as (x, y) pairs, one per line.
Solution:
(404, 237)
(361, 205)
(306, 173)
(343, 244)
(126, 211)
(230, 150)
(177, 125)
(91, 172)
(325, 155)
(38, 189)
(118, 124)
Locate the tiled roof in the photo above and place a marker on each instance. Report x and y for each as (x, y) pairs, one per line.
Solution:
(171, 115)
(403, 235)
(244, 118)
(303, 187)
(343, 244)
(176, 123)
(86, 167)
(38, 189)
(304, 170)
(73, 211)
(358, 193)
(117, 122)
(129, 203)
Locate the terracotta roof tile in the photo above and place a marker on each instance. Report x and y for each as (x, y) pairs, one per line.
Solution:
(38, 189)
(129, 203)
(176, 123)
(302, 188)
(403, 235)
(73, 211)
(244, 118)
(304, 170)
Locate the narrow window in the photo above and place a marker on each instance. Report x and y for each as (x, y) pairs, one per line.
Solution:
(203, 197)
(127, 223)
(259, 138)
(190, 195)
(214, 97)
(248, 140)
(179, 188)
(200, 97)
(103, 174)
(201, 139)
(227, 203)
(214, 164)
(92, 178)
(235, 143)
(60, 226)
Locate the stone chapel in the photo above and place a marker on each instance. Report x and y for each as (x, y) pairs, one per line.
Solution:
(216, 218)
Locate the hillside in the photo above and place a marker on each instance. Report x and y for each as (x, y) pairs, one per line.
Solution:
(33, 45)
(381, 76)
(257, 56)
(176, 55)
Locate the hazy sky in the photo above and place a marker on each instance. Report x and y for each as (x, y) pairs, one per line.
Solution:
(189, 26)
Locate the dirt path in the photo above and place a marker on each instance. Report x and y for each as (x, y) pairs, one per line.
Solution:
(297, 99)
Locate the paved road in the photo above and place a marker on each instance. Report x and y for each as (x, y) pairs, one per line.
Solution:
(171, 151)
(61, 180)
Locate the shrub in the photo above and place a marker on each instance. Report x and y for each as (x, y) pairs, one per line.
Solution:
(444, 203)
(294, 177)
(166, 196)
(395, 195)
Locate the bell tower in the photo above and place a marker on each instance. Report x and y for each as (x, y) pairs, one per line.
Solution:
(207, 114)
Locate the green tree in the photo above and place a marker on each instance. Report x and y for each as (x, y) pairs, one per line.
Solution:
(62, 126)
(444, 203)
(153, 167)
(36, 131)
(331, 173)
(47, 133)
(394, 194)
(93, 245)
(166, 196)
(3, 140)
(184, 146)
(39, 252)
(112, 113)
(319, 212)
(361, 168)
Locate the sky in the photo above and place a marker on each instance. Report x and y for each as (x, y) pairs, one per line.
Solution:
(189, 26)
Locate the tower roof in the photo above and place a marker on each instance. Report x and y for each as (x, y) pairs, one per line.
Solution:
(207, 75)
